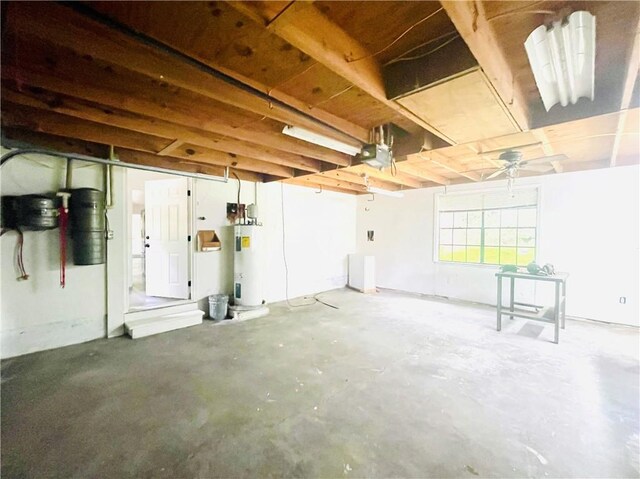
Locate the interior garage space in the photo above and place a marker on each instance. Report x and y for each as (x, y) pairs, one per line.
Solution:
(320, 239)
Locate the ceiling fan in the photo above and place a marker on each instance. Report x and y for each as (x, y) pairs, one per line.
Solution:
(513, 164)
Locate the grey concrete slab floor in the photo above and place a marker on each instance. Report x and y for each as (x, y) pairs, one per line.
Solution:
(389, 385)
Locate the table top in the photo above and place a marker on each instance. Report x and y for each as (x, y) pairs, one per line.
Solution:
(558, 277)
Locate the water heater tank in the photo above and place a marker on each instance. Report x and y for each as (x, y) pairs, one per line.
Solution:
(247, 265)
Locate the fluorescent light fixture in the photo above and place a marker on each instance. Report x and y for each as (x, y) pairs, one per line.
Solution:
(321, 140)
(562, 58)
(380, 191)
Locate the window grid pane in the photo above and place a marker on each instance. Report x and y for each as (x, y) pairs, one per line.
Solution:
(498, 236)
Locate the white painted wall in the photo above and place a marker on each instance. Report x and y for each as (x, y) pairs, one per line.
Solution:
(589, 227)
(37, 314)
(320, 233)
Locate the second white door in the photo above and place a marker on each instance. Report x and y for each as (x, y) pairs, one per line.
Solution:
(166, 238)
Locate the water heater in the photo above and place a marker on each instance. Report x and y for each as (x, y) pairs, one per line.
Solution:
(247, 265)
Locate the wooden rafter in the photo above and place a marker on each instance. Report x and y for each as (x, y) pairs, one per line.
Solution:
(97, 41)
(24, 137)
(320, 187)
(20, 116)
(423, 173)
(309, 30)
(94, 113)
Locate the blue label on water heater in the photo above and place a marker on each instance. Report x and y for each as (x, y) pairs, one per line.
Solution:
(238, 243)
(238, 290)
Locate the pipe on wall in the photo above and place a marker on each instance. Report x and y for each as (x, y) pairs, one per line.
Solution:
(101, 161)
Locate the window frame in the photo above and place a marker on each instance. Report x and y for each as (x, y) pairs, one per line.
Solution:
(436, 223)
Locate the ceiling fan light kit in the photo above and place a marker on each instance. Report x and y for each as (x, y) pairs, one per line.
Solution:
(562, 58)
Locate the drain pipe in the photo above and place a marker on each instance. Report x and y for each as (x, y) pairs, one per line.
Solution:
(101, 161)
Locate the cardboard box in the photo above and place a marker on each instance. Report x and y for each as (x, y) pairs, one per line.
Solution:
(208, 241)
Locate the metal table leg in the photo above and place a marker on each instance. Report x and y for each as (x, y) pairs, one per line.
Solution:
(499, 303)
(564, 302)
(556, 314)
(512, 295)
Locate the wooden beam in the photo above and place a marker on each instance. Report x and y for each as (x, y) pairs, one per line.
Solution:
(169, 148)
(398, 179)
(142, 158)
(14, 137)
(422, 173)
(318, 179)
(94, 113)
(447, 163)
(59, 78)
(309, 30)
(357, 179)
(627, 92)
(101, 42)
(104, 90)
(320, 187)
(20, 116)
(470, 21)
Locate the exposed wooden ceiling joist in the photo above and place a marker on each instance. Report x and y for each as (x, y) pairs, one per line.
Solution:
(20, 116)
(305, 27)
(84, 77)
(22, 137)
(90, 38)
(323, 186)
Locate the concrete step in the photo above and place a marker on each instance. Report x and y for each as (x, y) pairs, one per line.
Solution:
(161, 311)
(140, 328)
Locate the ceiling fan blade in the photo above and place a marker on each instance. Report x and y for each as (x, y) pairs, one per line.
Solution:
(544, 159)
(496, 173)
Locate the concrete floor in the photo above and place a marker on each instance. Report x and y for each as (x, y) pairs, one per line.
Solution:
(389, 385)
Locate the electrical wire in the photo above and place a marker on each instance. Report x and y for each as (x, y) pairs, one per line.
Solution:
(428, 42)
(331, 97)
(238, 202)
(397, 38)
(422, 55)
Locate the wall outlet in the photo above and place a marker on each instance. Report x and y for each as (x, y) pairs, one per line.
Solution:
(623, 300)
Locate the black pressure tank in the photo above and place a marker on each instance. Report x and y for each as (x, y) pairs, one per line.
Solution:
(36, 212)
(88, 231)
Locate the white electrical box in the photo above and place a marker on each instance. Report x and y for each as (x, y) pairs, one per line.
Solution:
(362, 273)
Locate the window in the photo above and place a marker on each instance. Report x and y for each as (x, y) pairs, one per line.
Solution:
(488, 228)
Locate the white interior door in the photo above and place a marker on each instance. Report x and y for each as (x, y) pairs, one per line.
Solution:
(167, 246)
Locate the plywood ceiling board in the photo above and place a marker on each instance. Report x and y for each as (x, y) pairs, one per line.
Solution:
(378, 24)
(215, 33)
(465, 109)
